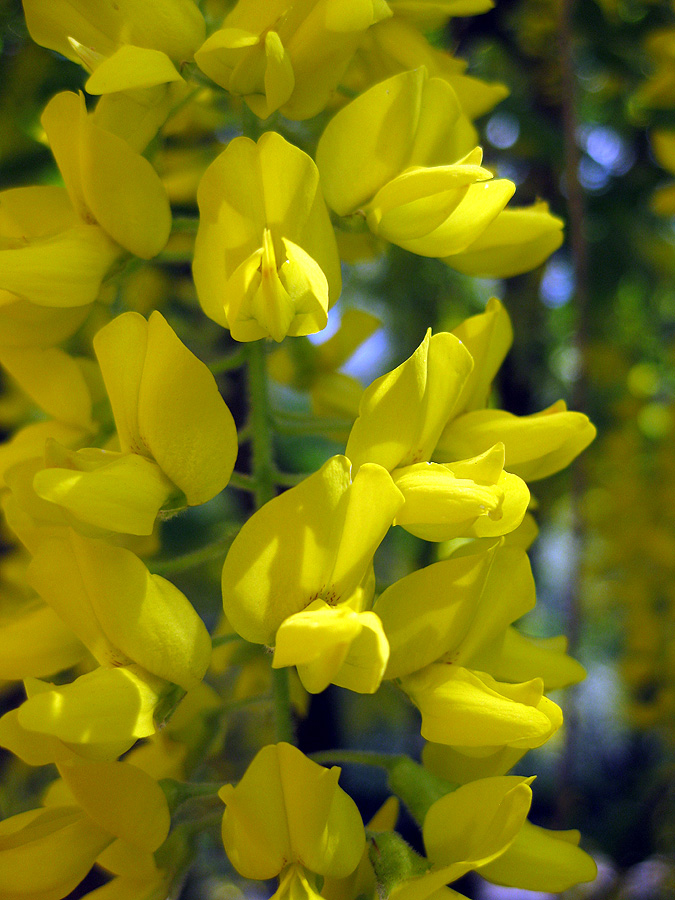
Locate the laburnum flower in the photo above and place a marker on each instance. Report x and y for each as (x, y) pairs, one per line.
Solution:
(57, 244)
(127, 45)
(541, 860)
(535, 446)
(265, 262)
(401, 417)
(445, 625)
(176, 434)
(398, 155)
(97, 808)
(517, 241)
(299, 573)
(24, 324)
(284, 55)
(142, 631)
(466, 829)
(35, 641)
(289, 817)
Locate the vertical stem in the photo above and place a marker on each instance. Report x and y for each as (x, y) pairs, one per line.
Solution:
(262, 471)
(262, 468)
(579, 252)
(282, 706)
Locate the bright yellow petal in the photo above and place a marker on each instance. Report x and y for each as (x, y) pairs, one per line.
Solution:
(542, 860)
(402, 413)
(428, 612)
(122, 800)
(124, 192)
(130, 68)
(369, 141)
(517, 241)
(46, 853)
(106, 706)
(123, 495)
(37, 643)
(120, 348)
(54, 380)
(184, 421)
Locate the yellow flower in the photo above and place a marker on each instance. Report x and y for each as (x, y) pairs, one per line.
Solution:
(302, 565)
(394, 155)
(517, 241)
(467, 708)
(56, 245)
(175, 432)
(541, 860)
(129, 44)
(288, 56)
(401, 416)
(45, 853)
(119, 610)
(396, 45)
(468, 828)
(265, 262)
(288, 817)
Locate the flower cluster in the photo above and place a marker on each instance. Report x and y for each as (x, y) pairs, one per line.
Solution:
(125, 426)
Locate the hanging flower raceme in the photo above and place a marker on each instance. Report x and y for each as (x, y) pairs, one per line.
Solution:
(288, 817)
(265, 263)
(56, 244)
(284, 55)
(299, 573)
(127, 45)
(177, 437)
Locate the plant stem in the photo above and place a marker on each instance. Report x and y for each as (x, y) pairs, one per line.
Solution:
(194, 558)
(227, 363)
(263, 483)
(261, 438)
(282, 705)
(219, 640)
(358, 757)
(185, 225)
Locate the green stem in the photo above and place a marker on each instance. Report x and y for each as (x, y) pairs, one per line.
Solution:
(261, 437)
(311, 425)
(227, 363)
(263, 482)
(193, 559)
(288, 479)
(174, 258)
(219, 640)
(282, 706)
(385, 761)
(184, 225)
(242, 482)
